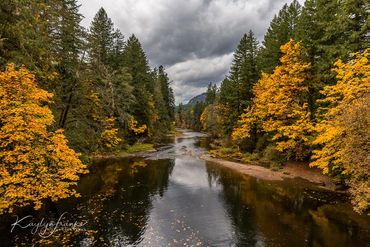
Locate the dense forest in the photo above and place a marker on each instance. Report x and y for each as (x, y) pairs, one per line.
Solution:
(303, 94)
(65, 90)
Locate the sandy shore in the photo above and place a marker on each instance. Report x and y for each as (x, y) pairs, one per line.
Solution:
(290, 170)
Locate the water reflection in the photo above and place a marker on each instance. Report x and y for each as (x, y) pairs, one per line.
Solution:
(287, 213)
(172, 198)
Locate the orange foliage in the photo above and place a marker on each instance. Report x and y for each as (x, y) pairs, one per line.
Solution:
(34, 163)
(132, 125)
(280, 105)
(109, 137)
(343, 133)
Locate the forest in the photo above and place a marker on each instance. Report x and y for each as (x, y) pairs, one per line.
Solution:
(68, 93)
(302, 94)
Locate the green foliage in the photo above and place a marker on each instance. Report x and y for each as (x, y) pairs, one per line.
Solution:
(101, 39)
(282, 28)
(236, 90)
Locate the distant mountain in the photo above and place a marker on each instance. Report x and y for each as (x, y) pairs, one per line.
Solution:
(199, 98)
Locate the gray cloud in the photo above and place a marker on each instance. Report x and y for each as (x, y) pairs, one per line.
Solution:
(194, 39)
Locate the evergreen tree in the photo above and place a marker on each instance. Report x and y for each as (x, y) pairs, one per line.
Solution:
(117, 50)
(67, 36)
(134, 59)
(236, 90)
(101, 39)
(211, 94)
(167, 94)
(9, 40)
(328, 37)
(25, 36)
(282, 28)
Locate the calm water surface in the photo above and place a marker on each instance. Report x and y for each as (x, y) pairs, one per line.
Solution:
(172, 198)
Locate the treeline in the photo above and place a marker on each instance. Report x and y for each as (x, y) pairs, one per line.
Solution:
(63, 90)
(303, 94)
(188, 116)
(105, 93)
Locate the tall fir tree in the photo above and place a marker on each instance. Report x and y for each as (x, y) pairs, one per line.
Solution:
(329, 37)
(211, 93)
(101, 38)
(283, 27)
(167, 93)
(134, 59)
(236, 91)
(67, 36)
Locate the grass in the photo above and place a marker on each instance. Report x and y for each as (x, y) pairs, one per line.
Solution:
(269, 158)
(139, 147)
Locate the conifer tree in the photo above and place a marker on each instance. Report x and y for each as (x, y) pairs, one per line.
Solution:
(67, 46)
(282, 28)
(331, 36)
(211, 94)
(134, 59)
(236, 90)
(101, 39)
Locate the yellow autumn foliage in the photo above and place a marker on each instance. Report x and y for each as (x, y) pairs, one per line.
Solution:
(133, 126)
(343, 134)
(211, 119)
(34, 163)
(109, 137)
(280, 105)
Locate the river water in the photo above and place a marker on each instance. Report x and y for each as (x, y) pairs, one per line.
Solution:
(172, 198)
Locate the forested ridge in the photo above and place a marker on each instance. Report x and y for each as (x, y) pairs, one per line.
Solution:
(301, 95)
(66, 93)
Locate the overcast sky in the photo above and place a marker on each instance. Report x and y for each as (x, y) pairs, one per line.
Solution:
(193, 39)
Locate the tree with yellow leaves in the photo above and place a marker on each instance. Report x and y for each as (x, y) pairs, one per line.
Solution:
(133, 126)
(280, 105)
(343, 133)
(34, 163)
(109, 137)
(211, 119)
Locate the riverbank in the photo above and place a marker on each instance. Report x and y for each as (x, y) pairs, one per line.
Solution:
(289, 170)
(135, 150)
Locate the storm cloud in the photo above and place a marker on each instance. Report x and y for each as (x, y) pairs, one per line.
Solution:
(193, 39)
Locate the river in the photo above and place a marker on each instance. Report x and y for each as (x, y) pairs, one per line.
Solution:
(173, 198)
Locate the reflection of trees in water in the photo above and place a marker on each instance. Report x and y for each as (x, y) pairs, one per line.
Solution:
(125, 213)
(116, 201)
(283, 212)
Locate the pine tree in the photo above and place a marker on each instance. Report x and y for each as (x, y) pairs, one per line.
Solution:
(67, 36)
(211, 94)
(134, 59)
(236, 90)
(329, 37)
(167, 94)
(25, 36)
(101, 39)
(118, 45)
(9, 39)
(282, 28)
